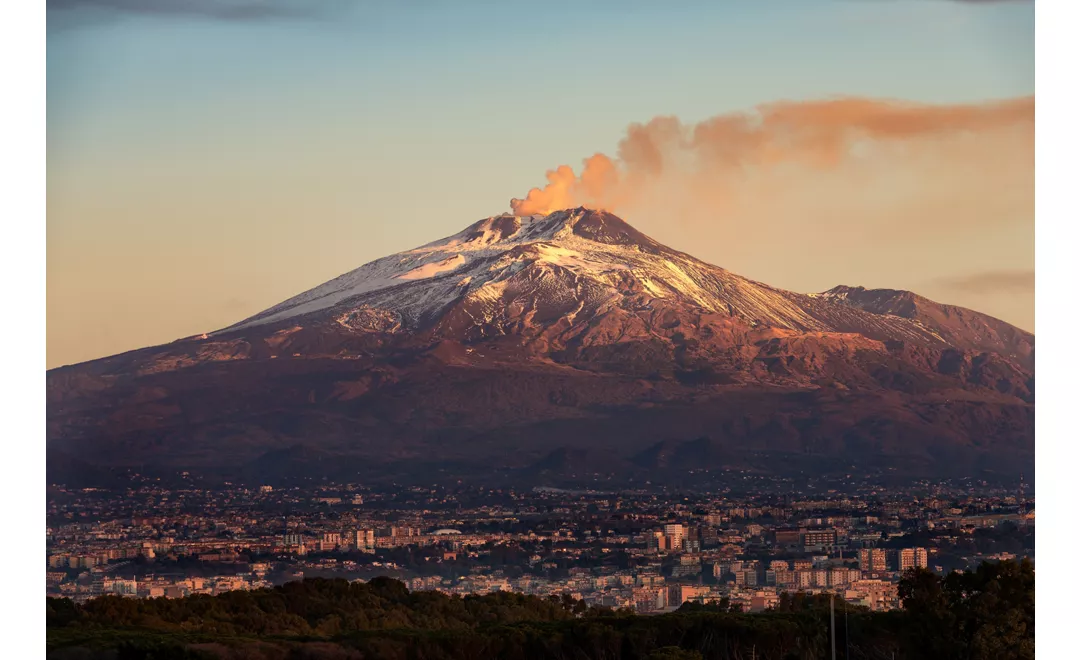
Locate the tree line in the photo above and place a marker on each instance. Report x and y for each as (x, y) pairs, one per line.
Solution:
(984, 614)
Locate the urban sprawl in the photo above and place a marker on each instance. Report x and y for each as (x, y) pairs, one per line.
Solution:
(650, 551)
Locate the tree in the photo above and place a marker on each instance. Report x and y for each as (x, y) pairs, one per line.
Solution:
(674, 653)
(984, 614)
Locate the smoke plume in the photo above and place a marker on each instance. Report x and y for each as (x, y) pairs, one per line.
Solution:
(704, 164)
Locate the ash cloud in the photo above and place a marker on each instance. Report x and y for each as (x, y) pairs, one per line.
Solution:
(704, 160)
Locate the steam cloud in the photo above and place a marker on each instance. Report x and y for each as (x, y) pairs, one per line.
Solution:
(701, 162)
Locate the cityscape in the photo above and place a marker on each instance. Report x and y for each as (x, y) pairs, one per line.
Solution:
(648, 552)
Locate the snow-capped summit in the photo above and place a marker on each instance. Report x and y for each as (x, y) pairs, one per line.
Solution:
(559, 275)
(470, 262)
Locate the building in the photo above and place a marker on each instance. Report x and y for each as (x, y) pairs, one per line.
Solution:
(788, 537)
(872, 560)
(329, 541)
(681, 593)
(763, 600)
(661, 542)
(840, 576)
(913, 558)
(818, 539)
(688, 565)
(804, 579)
(650, 599)
(677, 533)
(722, 569)
(746, 578)
(673, 538)
(363, 540)
(120, 587)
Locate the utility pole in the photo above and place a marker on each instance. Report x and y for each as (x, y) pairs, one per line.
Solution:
(832, 622)
(847, 640)
(847, 643)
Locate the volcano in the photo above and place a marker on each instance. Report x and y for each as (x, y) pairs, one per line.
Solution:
(564, 347)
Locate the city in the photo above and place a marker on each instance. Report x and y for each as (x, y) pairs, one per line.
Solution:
(648, 552)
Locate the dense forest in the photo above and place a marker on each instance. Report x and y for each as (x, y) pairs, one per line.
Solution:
(985, 614)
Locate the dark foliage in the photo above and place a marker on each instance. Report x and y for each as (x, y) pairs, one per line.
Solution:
(981, 615)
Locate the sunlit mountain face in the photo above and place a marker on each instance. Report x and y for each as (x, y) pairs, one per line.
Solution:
(500, 351)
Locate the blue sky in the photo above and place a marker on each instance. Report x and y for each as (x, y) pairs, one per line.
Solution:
(217, 164)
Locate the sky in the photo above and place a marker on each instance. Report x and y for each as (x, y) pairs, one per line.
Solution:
(210, 158)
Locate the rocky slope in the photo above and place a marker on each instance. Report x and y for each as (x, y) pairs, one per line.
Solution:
(520, 345)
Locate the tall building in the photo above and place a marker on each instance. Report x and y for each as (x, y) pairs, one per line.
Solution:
(820, 577)
(363, 540)
(654, 541)
(913, 557)
(673, 538)
(677, 533)
(872, 560)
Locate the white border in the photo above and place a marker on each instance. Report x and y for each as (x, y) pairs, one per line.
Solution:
(22, 323)
(22, 269)
(1056, 280)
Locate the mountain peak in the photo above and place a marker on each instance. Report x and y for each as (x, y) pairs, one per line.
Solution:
(896, 302)
(604, 227)
(484, 255)
(578, 271)
(572, 330)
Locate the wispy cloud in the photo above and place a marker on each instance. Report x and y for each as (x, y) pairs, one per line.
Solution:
(231, 10)
(992, 281)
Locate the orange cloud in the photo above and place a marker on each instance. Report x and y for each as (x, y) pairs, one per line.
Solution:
(703, 159)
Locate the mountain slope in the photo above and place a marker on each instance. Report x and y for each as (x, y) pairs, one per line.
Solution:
(517, 337)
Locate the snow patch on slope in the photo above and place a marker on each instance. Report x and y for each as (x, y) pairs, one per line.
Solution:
(503, 266)
(434, 268)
